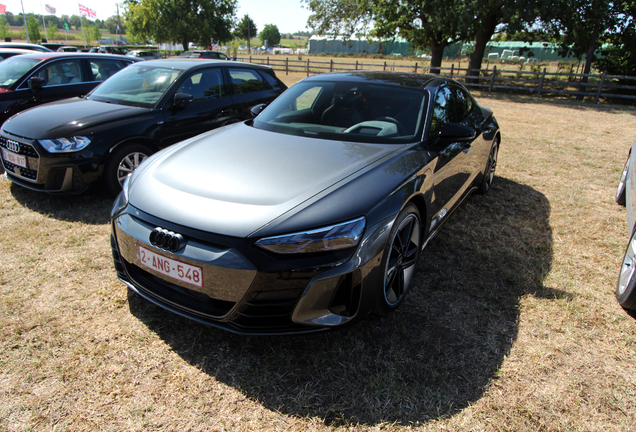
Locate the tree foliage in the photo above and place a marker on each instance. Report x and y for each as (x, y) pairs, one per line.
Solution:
(246, 29)
(34, 28)
(181, 21)
(270, 34)
(619, 54)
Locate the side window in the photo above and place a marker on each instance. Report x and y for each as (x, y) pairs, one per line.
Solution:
(246, 81)
(62, 72)
(103, 69)
(207, 84)
(463, 103)
(443, 111)
(270, 80)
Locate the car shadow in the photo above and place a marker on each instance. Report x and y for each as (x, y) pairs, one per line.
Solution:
(430, 359)
(92, 207)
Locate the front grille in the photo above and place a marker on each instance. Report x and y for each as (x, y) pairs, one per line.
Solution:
(32, 158)
(269, 310)
(177, 296)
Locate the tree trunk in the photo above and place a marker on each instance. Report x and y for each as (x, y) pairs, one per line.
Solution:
(589, 58)
(186, 44)
(483, 36)
(437, 54)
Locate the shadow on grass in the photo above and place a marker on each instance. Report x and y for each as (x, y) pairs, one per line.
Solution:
(430, 359)
(92, 207)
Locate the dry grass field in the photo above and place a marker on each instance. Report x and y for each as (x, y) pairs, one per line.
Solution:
(511, 324)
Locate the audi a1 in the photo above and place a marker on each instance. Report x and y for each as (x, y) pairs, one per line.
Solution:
(65, 147)
(313, 214)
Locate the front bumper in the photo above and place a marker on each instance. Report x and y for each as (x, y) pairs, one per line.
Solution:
(246, 290)
(68, 173)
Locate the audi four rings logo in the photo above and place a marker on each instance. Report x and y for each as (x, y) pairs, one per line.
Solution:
(13, 146)
(166, 240)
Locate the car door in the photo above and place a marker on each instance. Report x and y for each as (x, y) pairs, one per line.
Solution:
(209, 108)
(250, 87)
(453, 169)
(64, 78)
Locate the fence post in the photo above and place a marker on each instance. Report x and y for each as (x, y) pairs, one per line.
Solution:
(286, 65)
(600, 87)
(385, 65)
(492, 78)
(415, 67)
(267, 60)
(356, 64)
(331, 65)
(541, 82)
(452, 70)
(307, 66)
(250, 58)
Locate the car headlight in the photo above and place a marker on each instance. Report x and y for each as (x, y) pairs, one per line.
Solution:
(335, 237)
(122, 199)
(65, 145)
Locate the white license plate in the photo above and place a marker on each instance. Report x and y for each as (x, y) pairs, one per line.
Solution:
(178, 270)
(14, 158)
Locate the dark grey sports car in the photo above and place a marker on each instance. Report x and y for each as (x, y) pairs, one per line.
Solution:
(313, 214)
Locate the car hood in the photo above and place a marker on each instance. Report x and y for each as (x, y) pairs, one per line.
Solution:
(237, 179)
(67, 118)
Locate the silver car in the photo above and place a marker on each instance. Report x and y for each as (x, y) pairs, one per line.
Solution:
(626, 195)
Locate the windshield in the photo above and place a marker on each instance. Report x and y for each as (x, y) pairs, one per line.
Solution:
(14, 68)
(347, 111)
(141, 86)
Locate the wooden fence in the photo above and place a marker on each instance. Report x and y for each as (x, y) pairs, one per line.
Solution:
(537, 81)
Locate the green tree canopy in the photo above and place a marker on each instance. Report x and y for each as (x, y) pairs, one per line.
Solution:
(270, 34)
(246, 29)
(181, 21)
(34, 28)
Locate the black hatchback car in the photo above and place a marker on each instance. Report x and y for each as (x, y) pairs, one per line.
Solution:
(64, 147)
(33, 79)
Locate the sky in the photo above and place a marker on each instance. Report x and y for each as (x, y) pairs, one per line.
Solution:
(288, 15)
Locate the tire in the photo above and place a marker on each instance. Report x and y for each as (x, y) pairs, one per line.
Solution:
(489, 172)
(124, 160)
(620, 191)
(626, 285)
(399, 260)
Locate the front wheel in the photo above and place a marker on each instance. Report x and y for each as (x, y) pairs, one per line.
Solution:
(399, 260)
(124, 160)
(489, 172)
(626, 286)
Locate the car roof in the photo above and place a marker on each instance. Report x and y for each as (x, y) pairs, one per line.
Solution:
(54, 55)
(185, 63)
(415, 80)
(19, 45)
(16, 50)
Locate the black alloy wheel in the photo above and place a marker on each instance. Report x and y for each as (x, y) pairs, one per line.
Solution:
(399, 260)
(491, 166)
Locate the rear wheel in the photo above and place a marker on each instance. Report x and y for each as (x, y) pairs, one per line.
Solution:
(124, 160)
(491, 166)
(400, 257)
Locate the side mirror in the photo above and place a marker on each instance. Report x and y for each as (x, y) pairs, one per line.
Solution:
(455, 132)
(256, 109)
(35, 83)
(182, 99)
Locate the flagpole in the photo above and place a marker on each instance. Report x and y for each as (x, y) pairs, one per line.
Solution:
(44, 24)
(82, 23)
(26, 28)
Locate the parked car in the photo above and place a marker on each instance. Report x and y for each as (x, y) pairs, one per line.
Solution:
(66, 146)
(205, 55)
(5, 53)
(144, 55)
(109, 49)
(29, 80)
(32, 47)
(626, 196)
(312, 215)
(68, 49)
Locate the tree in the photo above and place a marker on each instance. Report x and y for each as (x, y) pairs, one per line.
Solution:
(93, 33)
(181, 21)
(340, 18)
(270, 34)
(246, 29)
(52, 30)
(5, 28)
(34, 28)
